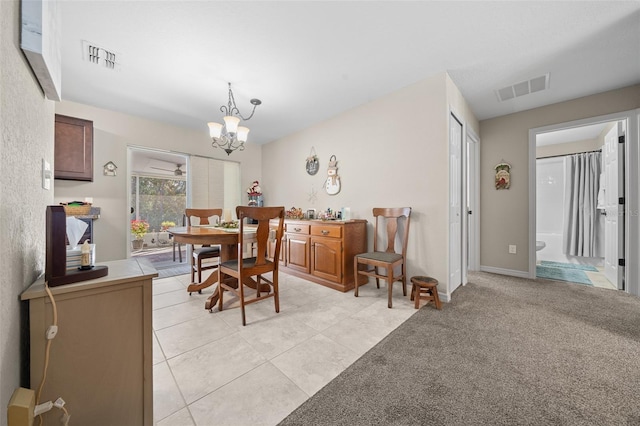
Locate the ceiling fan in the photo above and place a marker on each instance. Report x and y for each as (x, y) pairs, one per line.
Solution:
(177, 172)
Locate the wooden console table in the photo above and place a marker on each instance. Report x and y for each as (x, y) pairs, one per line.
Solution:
(101, 358)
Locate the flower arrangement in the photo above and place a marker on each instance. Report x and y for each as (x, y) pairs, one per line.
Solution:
(139, 228)
(167, 224)
(254, 189)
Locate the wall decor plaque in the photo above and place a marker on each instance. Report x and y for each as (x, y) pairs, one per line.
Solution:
(503, 175)
(312, 162)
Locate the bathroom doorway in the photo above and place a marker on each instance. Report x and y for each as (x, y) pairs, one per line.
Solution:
(578, 172)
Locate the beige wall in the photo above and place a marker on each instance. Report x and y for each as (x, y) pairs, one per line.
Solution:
(26, 129)
(392, 151)
(113, 133)
(505, 213)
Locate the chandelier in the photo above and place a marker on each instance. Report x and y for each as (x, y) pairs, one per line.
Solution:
(229, 136)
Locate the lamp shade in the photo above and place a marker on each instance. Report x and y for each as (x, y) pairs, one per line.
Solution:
(243, 133)
(215, 130)
(231, 123)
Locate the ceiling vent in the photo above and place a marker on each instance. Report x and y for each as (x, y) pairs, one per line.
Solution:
(523, 88)
(105, 58)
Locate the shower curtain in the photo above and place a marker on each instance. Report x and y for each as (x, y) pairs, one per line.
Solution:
(581, 217)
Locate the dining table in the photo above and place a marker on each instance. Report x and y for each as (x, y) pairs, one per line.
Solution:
(227, 239)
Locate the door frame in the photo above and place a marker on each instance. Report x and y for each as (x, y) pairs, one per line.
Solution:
(472, 183)
(631, 189)
(130, 150)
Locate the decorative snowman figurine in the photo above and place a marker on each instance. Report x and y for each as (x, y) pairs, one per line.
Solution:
(332, 185)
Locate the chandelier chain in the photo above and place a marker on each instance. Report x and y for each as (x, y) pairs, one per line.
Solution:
(232, 109)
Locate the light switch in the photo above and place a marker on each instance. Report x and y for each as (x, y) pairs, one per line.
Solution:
(46, 174)
(512, 249)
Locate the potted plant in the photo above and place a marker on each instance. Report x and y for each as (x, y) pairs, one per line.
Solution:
(139, 229)
(166, 225)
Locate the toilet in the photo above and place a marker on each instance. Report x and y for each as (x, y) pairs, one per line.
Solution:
(540, 245)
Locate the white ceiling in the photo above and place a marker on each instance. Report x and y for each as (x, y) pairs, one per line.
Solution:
(308, 61)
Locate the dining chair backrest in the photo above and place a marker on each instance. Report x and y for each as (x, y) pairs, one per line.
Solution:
(262, 216)
(391, 218)
(203, 216)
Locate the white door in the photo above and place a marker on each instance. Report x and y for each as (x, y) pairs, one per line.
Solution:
(614, 189)
(455, 203)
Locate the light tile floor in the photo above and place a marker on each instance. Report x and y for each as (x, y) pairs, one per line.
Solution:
(598, 279)
(209, 369)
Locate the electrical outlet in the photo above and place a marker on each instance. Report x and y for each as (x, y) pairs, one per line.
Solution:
(512, 249)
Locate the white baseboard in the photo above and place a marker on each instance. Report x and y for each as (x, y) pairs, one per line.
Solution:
(502, 271)
(444, 297)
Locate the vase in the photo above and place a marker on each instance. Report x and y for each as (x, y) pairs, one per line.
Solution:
(137, 244)
(256, 201)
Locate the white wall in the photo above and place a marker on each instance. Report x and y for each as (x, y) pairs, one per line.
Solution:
(391, 152)
(26, 132)
(113, 132)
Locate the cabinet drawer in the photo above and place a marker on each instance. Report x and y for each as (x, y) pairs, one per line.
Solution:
(296, 228)
(326, 231)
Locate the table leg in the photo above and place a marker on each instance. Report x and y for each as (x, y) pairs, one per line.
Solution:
(211, 280)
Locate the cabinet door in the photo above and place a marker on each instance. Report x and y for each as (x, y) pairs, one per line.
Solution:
(271, 248)
(73, 149)
(326, 258)
(298, 252)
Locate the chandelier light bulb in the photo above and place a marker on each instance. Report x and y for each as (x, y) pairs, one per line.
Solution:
(231, 123)
(243, 133)
(215, 130)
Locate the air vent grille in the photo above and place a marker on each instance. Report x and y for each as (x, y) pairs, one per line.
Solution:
(105, 58)
(523, 88)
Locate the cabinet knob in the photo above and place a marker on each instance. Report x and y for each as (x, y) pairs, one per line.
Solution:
(297, 229)
(324, 232)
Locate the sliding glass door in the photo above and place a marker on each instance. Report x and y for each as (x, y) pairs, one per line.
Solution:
(158, 199)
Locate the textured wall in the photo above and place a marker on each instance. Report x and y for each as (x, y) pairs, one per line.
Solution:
(26, 129)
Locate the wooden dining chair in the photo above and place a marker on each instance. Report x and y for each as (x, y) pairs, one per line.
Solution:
(235, 274)
(387, 220)
(198, 254)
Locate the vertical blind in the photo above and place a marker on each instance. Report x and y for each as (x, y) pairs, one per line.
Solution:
(214, 183)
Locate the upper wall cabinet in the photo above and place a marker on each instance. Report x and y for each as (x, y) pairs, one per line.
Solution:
(73, 149)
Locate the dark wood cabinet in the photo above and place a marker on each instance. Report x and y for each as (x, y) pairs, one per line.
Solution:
(73, 149)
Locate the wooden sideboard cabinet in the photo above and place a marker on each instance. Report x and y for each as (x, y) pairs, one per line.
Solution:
(101, 360)
(323, 251)
(73, 148)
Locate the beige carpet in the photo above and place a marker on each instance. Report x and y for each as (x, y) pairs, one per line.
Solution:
(505, 351)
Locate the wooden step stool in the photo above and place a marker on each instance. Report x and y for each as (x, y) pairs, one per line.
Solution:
(425, 288)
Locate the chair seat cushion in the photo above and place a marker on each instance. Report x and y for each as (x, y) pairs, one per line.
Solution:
(247, 263)
(206, 251)
(380, 256)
